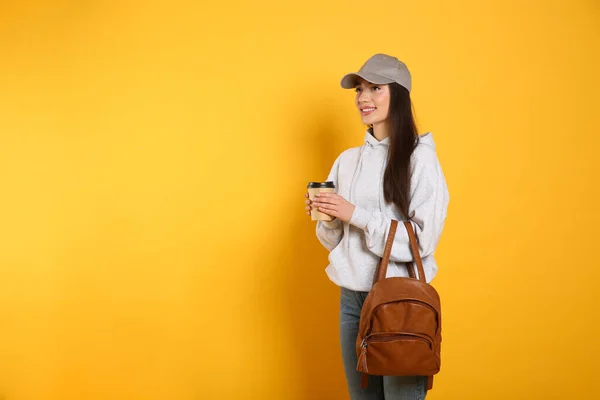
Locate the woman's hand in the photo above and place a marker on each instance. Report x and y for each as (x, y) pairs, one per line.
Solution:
(333, 205)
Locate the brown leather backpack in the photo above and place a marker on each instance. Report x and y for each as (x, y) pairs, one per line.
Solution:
(400, 331)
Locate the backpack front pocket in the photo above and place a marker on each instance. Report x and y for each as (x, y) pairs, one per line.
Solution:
(402, 354)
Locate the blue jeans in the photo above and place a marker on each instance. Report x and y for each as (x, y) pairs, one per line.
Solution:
(380, 388)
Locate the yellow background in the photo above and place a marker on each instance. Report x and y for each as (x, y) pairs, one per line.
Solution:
(153, 163)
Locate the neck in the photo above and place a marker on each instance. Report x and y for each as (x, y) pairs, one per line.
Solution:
(380, 131)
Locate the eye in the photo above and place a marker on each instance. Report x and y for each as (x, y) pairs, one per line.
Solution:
(376, 88)
(357, 89)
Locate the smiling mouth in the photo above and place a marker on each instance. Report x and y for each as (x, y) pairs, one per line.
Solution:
(367, 110)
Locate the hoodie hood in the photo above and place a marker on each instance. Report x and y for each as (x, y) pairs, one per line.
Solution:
(380, 151)
(426, 138)
(373, 142)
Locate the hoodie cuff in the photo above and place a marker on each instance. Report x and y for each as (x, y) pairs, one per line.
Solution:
(360, 217)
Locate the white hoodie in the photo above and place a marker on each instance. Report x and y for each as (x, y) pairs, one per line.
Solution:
(356, 247)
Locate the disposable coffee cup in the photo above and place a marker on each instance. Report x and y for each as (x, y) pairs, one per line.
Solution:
(315, 188)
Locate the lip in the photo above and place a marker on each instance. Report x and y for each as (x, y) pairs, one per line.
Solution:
(371, 110)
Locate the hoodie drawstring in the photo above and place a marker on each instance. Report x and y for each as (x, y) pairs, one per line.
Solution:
(355, 174)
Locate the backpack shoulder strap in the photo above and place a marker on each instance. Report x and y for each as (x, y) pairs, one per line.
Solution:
(415, 252)
(383, 264)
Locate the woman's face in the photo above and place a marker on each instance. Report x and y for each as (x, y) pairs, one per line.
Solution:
(372, 101)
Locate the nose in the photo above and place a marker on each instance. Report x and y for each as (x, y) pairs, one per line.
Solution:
(363, 97)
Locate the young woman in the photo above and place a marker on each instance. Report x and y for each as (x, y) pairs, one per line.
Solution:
(395, 174)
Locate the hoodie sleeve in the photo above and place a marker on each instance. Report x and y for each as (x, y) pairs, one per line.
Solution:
(428, 206)
(330, 233)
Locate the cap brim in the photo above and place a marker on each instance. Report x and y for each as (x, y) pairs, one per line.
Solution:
(349, 80)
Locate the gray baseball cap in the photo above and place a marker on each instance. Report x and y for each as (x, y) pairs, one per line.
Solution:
(380, 69)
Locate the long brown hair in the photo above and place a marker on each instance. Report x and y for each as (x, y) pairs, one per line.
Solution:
(404, 138)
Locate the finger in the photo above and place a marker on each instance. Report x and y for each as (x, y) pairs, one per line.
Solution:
(328, 207)
(329, 212)
(328, 201)
(305, 194)
(307, 202)
(308, 208)
(330, 197)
